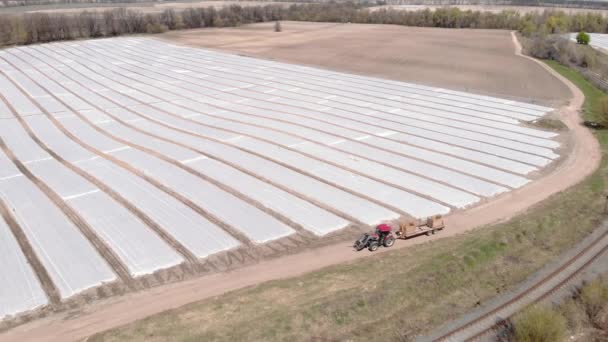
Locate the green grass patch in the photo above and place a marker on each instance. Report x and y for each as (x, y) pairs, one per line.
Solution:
(399, 294)
(592, 94)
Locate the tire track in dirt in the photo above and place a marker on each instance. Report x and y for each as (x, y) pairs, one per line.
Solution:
(147, 220)
(102, 248)
(43, 276)
(352, 192)
(387, 205)
(147, 75)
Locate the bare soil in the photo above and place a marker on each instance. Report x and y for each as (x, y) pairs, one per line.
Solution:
(479, 61)
(582, 161)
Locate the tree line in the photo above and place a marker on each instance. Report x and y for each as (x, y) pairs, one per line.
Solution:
(28, 28)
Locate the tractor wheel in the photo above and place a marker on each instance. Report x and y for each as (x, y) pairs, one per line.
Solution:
(389, 242)
(373, 246)
(433, 231)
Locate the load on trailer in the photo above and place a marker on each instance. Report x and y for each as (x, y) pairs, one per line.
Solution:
(413, 228)
(383, 235)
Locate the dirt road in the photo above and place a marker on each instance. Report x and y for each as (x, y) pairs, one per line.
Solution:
(117, 311)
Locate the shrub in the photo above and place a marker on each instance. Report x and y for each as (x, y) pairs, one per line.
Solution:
(156, 28)
(602, 119)
(540, 324)
(583, 38)
(575, 315)
(595, 294)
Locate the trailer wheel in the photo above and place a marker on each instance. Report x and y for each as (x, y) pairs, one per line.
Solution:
(373, 246)
(428, 233)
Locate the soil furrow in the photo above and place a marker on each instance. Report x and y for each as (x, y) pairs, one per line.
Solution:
(43, 276)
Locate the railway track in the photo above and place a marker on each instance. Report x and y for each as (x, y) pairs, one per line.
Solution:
(482, 324)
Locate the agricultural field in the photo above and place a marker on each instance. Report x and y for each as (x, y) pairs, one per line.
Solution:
(127, 156)
(477, 59)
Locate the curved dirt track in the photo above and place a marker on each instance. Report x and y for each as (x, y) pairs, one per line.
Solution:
(583, 160)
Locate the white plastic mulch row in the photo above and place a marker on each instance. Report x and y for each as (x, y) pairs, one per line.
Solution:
(297, 134)
(402, 87)
(417, 117)
(280, 72)
(169, 60)
(69, 258)
(415, 208)
(199, 235)
(134, 81)
(137, 246)
(452, 202)
(21, 289)
(219, 64)
(357, 207)
(451, 119)
(257, 225)
(511, 165)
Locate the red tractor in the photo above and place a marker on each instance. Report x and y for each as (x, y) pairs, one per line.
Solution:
(382, 236)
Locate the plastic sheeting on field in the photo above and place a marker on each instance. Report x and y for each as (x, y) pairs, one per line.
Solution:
(67, 255)
(21, 290)
(207, 144)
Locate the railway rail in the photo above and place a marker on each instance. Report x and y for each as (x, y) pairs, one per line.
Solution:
(482, 324)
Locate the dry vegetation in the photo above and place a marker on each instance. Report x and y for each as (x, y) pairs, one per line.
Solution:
(584, 316)
(590, 62)
(43, 27)
(523, 9)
